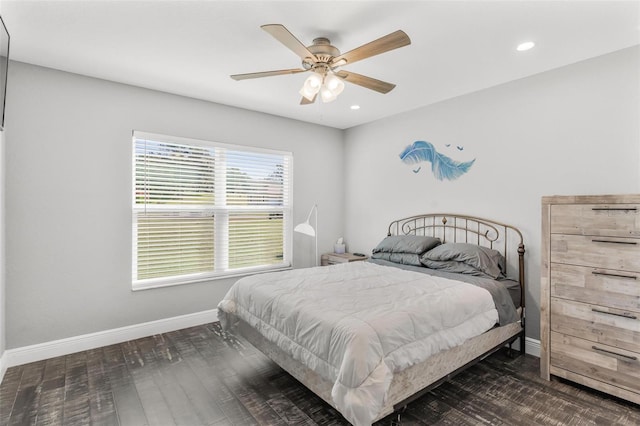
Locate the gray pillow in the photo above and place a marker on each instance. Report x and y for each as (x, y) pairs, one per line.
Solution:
(452, 266)
(402, 258)
(461, 257)
(415, 244)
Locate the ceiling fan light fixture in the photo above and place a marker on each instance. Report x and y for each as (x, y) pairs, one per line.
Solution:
(311, 86)
(327, 84)
(314, 81)
(308, 94)
(327, 95)
(334, 84)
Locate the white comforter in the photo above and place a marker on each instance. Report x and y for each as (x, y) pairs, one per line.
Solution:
(356, 324)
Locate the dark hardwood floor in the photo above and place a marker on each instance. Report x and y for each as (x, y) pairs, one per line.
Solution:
(202, 376)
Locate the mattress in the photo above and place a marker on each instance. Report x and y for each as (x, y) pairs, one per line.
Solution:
(356, 324)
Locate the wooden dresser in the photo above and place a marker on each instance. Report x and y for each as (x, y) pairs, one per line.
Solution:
(590, 292)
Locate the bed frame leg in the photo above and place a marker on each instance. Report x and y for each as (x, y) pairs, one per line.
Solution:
(522, 337)
(398, 420)
(510, 351)
(522, 346)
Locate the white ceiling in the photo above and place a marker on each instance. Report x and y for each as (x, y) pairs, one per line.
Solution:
(191, 47)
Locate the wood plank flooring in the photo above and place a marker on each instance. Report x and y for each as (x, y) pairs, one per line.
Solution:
(202, 376)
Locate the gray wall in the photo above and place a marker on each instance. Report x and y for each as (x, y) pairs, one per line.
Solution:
(2, 255)
(2, 245)
(68, 215)
(573, 130)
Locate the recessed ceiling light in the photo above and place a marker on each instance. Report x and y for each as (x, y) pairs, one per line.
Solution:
(525, 46)
(355, 107)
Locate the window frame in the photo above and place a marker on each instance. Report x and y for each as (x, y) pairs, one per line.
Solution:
(221, 227)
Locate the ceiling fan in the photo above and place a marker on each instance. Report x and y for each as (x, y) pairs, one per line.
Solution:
(323, 60)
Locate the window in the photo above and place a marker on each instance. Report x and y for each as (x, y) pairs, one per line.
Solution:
(203, 210)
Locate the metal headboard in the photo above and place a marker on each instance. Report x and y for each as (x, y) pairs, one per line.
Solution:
(468, 229)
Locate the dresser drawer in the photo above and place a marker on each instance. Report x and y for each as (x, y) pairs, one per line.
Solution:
(607, 364)
(621, 220)
(606, 287)
(599, 324)
(599, 252)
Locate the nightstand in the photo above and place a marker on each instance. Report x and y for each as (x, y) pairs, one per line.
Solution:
(333, 258)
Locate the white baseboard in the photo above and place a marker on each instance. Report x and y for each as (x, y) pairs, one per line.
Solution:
(532, 346)
(3, 366)
(40, 351)
(27, 354)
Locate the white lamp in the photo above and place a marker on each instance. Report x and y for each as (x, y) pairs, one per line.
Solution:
(307, 229)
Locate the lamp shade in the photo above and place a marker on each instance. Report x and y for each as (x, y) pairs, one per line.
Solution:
(305, 228)
(311, 86)
(334, 84)
(331, 87)
(327, 95)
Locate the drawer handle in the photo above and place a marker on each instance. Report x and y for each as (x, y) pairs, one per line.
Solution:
(625, 315)
(624, 209)
(632, 358)
(615, 242)
(607, 274)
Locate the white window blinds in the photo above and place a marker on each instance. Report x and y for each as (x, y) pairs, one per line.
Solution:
(203, 210)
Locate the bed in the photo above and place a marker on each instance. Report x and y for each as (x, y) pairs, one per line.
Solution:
(370, 337)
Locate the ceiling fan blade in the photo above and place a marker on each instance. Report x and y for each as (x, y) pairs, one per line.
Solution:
(266, 73)
(305, 101)
(383, 44)
(364, 81)
(280, 33)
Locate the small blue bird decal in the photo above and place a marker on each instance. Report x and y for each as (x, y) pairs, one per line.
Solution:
(442, 166)
(460, 148)
(416, 170)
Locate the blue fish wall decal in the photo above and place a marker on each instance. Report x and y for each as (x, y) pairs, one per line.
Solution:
(442, 166)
